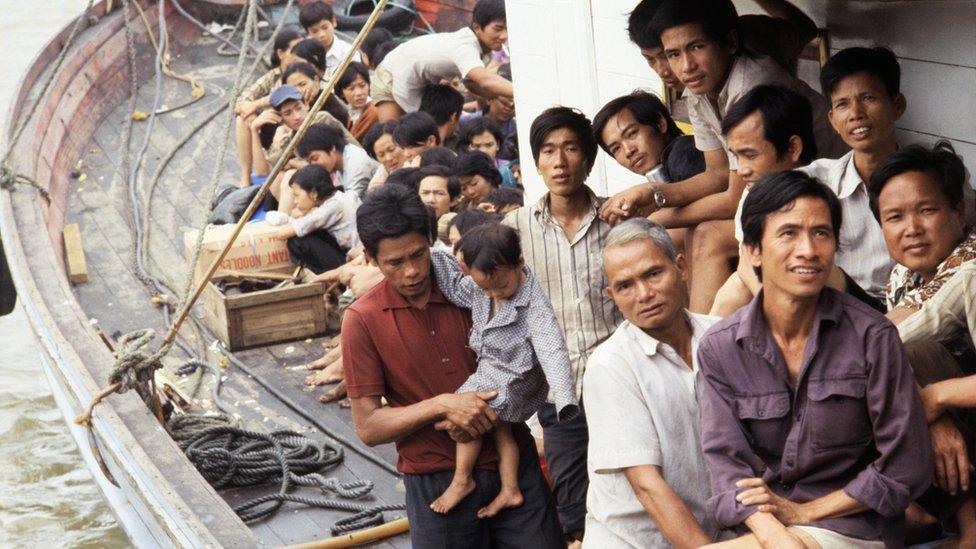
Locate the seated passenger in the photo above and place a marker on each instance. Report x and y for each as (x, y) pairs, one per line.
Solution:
(648, 483)
(438, 188)
(478, 176)
(444, 104)
(353, 85)
(323, 225)
(416, 133)
(637, 131)
(812, 430)
(481, 134)
(377, 37)
(503, 200)
(319, 21)
(405, 72)
(500, 111)
(380, 146)
(349, 164)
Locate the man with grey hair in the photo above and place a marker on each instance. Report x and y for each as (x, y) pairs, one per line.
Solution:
(640, 401)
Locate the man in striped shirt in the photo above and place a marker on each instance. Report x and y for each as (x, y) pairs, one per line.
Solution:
(562, 242)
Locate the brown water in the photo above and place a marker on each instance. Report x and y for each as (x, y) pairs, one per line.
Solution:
(47, 495)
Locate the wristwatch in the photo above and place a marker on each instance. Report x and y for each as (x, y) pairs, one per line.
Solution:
(659, 199)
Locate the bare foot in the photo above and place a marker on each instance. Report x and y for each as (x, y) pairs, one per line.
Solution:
(331, 356)
(336, 393)
(332, 374)
(458, 490)
(332, 343)
(505, 499)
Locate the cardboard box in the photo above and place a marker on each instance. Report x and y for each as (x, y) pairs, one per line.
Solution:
(264, 317)
(254, 250)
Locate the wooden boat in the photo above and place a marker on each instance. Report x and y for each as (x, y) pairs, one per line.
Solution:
(70, 145)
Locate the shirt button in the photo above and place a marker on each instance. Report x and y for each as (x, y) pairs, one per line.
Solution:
(432, 332)
(761, 413)
(445, 360)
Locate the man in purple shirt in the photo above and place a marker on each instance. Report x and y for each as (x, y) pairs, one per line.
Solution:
(812, 429)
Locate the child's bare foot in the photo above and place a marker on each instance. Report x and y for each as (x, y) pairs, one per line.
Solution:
(506, 498)
(332, 374)
(458, 490)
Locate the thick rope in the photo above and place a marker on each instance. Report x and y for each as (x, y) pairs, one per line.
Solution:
(228, 456)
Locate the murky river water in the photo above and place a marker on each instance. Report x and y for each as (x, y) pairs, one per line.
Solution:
(47, 495)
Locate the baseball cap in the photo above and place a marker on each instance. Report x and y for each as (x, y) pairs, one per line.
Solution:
(282, 94)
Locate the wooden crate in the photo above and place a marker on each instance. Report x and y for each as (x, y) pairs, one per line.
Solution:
(267, 316)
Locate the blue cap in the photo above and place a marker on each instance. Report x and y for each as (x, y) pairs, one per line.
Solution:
(282, 94)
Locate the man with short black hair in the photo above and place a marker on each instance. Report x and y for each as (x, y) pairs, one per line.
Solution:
(563, 238)
(478, 176)
(444, 104)
(400, 79)
(438, 188)
(403, 342)
(812, 429)
(417, 132)
(351, 167)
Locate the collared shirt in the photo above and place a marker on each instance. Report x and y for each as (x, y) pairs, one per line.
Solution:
(853, 421)
(262, 86)
(521, 350)
(748, 72)
(947, 314)
(642, 409)
(570, 271)
(357, 169)
(429, 59)
(905, 287)
(406, 354)
(861, 249)
(337, 214)
(339, 50)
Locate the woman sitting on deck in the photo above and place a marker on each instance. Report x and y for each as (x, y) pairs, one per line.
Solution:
(353, 85)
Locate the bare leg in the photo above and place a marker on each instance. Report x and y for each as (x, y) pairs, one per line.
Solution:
(749, 541)
(713, 248)
(731, 296)
(242, 136)
(388, 111)
(285, 196)
(508, 463)
(463, 483)
(966, 518)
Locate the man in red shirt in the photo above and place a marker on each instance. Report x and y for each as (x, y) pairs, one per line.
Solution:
(404, 342)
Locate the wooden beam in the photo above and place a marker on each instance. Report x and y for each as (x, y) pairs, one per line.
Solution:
(74, 255)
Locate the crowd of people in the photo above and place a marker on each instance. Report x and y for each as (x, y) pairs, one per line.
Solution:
(769, 343)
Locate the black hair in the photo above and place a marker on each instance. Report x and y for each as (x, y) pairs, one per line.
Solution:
(302, 67)
(312, 51)
(718, 19)
(486, 12)
(940, 161)
(556, 118)
(392, 211)
(313, 12)
(779, 190)
(490, 247)
(784, 112)
(441, 102)
(321, 137)
(437, 156)
(453, 185)
(414, 129)
(469, 219)
(282, 39)
(475, 127)
(879, 62)
(314, 178)
(472, 163)
(406, 177)
(505, 196)
(376, 36)
(381, 51)
(374, 133)
(639, 24)
(355, 69)
(337, 109)
(647, 109)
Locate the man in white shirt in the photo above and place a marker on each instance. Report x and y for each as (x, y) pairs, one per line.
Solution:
(648, 481)
(319, 21)
(351, 167)
(399, 82)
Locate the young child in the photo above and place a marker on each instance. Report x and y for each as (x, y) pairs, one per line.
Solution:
(322, 227)
(520, 347)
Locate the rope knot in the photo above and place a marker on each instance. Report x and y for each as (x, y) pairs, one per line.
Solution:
(133, 363)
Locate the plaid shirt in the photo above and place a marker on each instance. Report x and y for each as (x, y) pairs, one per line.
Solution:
(570, 272)
(521, 350)
(261, 87)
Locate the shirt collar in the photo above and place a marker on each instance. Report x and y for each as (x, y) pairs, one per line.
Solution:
(753, 326)
(392, 299)
(649, 345)
(850, 180)
(541, 208)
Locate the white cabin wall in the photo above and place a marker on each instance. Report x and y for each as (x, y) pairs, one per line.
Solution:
(573, 53)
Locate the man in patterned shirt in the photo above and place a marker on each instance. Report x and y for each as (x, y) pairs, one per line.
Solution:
(562, 242)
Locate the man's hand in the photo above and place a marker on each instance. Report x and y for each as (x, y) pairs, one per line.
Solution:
(899, 314)
(469, 411)
(931, 402)
(456, 433)
(266, 117)
(638, 199)
(295, 164)
(784, 540)
(756, 492)
(949, 453)
(771, 533)
(247, 108)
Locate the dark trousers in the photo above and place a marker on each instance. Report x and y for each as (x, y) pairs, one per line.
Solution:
(565, 446)
(533, 524)
(317, 252)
